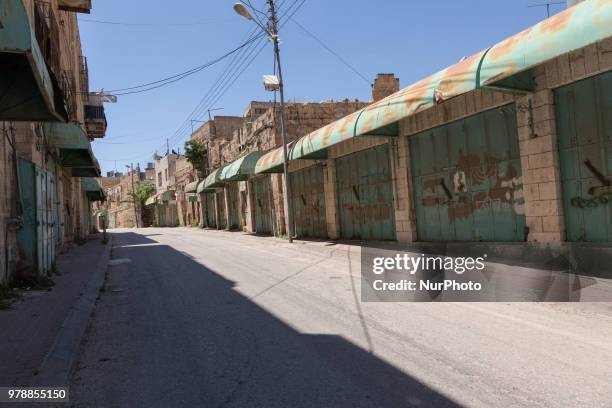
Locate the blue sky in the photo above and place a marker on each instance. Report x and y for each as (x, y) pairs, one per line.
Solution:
(409, 38)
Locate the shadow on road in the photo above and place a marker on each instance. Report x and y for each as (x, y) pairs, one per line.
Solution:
(178, 334)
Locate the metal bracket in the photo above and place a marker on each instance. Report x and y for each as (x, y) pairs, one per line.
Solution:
(528, 107)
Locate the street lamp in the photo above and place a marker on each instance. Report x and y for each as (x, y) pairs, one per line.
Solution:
(272, 31)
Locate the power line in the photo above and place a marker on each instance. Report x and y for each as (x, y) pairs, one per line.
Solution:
(177, 77)
(197, 23)
(335, 54)
(232, 73)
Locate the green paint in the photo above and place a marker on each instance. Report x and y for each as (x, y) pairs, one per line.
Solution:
(308, 198)
(232, 193)
(241, 168)
(584, 131)
(263, 207)
(210, 210)
(467, 179)
(365, 195)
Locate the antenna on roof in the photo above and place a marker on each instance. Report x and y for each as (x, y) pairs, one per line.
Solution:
(547, 5)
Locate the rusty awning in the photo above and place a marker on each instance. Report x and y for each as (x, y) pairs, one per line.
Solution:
(241, 168)
(192, 187)
(28, 91)
(272, 161)
(214, 179)
(505, 66)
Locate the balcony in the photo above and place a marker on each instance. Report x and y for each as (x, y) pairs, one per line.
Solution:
(95, 119)
(76, 6)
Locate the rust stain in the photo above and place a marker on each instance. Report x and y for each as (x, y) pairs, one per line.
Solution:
(431, 184)
(507, 46)
(457, 75)
(557, 23)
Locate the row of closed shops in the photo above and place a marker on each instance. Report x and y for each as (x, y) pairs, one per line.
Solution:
(512, 144)
(465, 178)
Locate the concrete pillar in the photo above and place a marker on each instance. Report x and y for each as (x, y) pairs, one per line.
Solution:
(540, 164)
(331, 200)
(405, 223)
(250, 221)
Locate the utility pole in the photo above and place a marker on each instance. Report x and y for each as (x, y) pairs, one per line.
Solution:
(134, 194)
(286, 178)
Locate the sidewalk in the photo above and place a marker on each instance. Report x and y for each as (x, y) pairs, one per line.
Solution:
(29, 329)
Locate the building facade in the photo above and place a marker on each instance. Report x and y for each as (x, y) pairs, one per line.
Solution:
(45, 150)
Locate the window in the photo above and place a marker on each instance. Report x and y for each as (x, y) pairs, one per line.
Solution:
(159, 179)
(166, 174)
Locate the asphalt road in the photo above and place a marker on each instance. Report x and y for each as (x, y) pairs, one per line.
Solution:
(218, 319)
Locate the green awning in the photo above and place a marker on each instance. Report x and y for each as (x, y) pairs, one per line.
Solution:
(272, 162)
(241, 168)
(26, 87)
(75, 150)
(202, 189)
(192, 187)
(167, 196)
(506, 66)
(92, 189)
(214, 179)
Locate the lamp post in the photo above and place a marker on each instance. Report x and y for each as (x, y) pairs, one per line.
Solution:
(272, 31)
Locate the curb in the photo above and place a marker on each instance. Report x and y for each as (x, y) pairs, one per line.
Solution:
(58, 364)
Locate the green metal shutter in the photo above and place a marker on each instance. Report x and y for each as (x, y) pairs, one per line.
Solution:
(261, 193)
(467, 179)
(365, 195)
(233, 204)
(584, 130)
(26, 235)
(308, 199)
(210, 210)
(221, 210)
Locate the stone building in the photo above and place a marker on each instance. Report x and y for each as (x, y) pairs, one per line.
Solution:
(216, 134)
(188, 206)
(47, 127)
(165, 204)
(119, 203)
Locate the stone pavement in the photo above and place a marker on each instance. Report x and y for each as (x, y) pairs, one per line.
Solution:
(29, 329)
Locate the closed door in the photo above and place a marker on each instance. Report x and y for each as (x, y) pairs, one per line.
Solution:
(26, 235)
(210, 210)
(308, 200)
(467, 179)
(365, 195)
(261, 201)
(232, 194)
(583, 113)
(222, 222)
